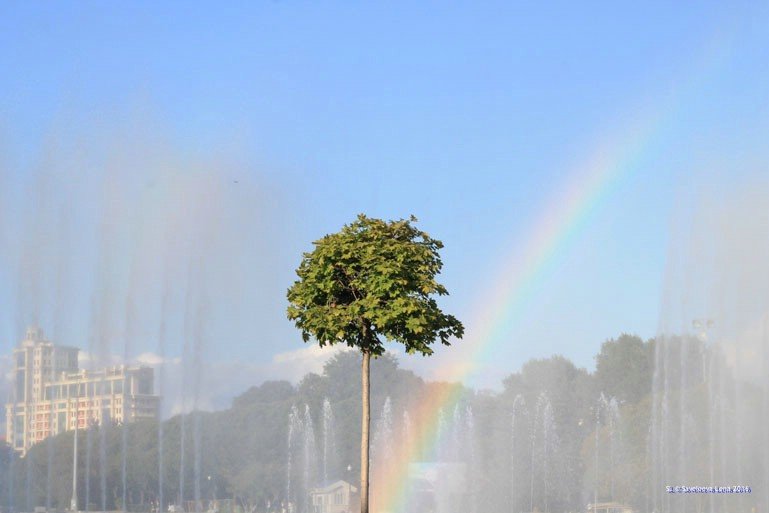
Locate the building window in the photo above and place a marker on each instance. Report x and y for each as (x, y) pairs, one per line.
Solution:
(20, 389)
(145, 387)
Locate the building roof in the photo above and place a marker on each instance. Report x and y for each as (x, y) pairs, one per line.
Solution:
(333, 486)
(609, 506)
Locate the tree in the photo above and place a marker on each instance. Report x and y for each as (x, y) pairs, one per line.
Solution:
(624, 368)
(569, 390)
(371, 282)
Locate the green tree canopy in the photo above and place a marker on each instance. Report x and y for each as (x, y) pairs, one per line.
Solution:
(373, 281)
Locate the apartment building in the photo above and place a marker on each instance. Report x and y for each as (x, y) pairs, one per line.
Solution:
(50, 394)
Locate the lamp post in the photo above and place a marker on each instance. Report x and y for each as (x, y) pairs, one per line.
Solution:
(595, 487)
(349, 478)
(73, 503)
(210, 482)
(702, 326)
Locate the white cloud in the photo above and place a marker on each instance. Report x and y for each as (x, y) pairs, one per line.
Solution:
(154, 359)
(86, 360)
(293, 365)
(219, 382)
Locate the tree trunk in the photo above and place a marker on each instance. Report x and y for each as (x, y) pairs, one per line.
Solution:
(365, 422)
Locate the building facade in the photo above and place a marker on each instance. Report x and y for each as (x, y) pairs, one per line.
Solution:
(338, 497)
(51, 394)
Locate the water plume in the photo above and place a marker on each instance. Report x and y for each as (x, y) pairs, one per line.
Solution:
(711, 388)
(329, 443)
(116, 241)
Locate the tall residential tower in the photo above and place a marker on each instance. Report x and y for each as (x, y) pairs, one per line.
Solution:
(51, 395)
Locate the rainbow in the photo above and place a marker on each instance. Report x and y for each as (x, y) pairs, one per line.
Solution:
(559, 223)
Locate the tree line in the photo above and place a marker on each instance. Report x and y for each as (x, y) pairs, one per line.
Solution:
(240, 452)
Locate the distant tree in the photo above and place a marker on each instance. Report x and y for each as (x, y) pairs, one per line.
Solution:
(570, 391)
(7, 457)
(624, 368)
(267, 392)
(387, 379)
(372, 281)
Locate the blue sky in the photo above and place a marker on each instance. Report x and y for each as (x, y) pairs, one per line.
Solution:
(466, 114)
